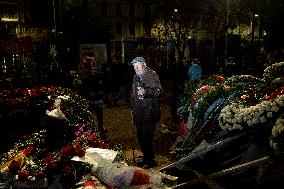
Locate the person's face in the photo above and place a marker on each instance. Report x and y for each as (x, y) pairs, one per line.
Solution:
(93, 70)
(139, 68)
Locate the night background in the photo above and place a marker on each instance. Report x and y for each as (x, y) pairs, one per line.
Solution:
(223, 131)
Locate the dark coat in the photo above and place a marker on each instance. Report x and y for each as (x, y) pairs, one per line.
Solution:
(148, 108)
(92, 87)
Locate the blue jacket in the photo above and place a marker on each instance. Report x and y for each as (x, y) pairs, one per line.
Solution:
(194, 72)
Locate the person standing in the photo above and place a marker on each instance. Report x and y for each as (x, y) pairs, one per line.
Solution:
(145, 104)
(195, 71)
(92, 90)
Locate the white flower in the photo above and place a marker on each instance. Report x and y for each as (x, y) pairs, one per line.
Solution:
(237, 126)
(261, 109)
(269, 114)
(240, 119)
(249, 122)
(275, 109)
(249, 117)
(262, 119)
(256, 115)
(255, 121)
(245, 118)
(280, 101)
(234, 121)
(57, 103)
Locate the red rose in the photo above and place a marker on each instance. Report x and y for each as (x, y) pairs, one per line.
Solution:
(219, 78)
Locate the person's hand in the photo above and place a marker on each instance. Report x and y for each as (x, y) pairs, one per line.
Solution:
(140, 90)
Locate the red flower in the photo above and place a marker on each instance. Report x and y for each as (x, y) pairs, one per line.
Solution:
(40, 175)
(90, 183)
(68, 151)
(219, 78)
(276, 93)
(23, 176)
(67, 170)
(102, 145)
(47, 160)
(140, 177)
(182, 129)
(27, 151)
(194, 100)
(79, 151)
(246, 97)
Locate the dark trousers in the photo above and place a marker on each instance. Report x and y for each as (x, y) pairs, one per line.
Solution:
(98, 110)
(145, 134)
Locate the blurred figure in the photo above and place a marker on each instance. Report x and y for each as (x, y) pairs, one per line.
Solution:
(145, 103)
(194, 72)
(92, 90)
(230, 68)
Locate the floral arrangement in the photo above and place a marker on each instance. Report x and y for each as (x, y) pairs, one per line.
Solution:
(244, 90)
(243, 78)
(198, 98)
(237, 116)
(118, 174)
(276, 139)
(30, 157)
(273, 71)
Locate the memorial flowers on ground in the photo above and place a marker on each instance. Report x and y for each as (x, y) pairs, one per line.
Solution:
(31, 157)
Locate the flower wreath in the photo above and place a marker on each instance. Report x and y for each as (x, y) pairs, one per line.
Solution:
(236, 116)
(273, 71)
(276, 140)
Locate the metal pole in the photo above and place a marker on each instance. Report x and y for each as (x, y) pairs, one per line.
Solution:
(54, 16)
(227, 28)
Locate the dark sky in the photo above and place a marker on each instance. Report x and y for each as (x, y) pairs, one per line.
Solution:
(41, 12)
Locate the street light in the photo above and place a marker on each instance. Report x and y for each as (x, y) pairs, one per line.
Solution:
(253, 26)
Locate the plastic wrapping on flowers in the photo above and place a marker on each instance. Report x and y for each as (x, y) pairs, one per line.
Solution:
(119, 174)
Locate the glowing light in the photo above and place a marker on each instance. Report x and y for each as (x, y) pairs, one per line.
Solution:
(3, 19)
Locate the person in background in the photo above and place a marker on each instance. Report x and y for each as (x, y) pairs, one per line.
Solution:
(230, 68)
(92, 90)
(145, 104)
(195, 71)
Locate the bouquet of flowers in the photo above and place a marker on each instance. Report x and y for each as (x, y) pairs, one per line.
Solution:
(118, 174)
(30, 158)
